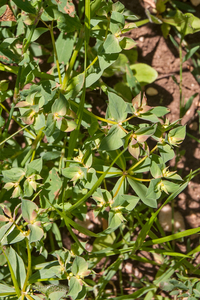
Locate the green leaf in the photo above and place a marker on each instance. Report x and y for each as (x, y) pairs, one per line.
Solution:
(117, 107)
(105, 60)
(57, 295)
(36, 233)
(60, 105)
(129, 77)
(74, 86)
(25, 5)
(66, 7)
(63, 42)
(94, 127)
(160, 111)
(17, 266)
(121, 162)
(120, 186)
(160, 5)
(153, 191)
(7, 56)
(190, 53)
(74, 287)
(38, 32)
(29, 209)
(79, 266)
(118, 6)
(145, 131)
(67, 23)
(103, 242)
(169, 185)
(124, 91)
(111, 45)
(113, 140)
(15, 236)
(196, 292)
(13, 174)
(78, 227)
(2, 121)
(48, 90)
(40, 121)
(144, 73)
(187, 105)
(118, 63)
(141, 190)
(185, 23)
(115, 220)
(127, 43)
(6, 290)
(72, 172)
(117, 22)
(177, 135)
(3, 7)
(50, 125)
(51, 270)
(4, 85)
(156, 166)
(4, 229)
(92, 78)
(132, 201)
(35, 165)
(152, 18)
(166, 152)
(57, 235)
(51, 189)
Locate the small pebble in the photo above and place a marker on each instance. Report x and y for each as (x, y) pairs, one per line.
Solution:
(194, 126)
(165, 219)
(195, 2)
(151, 91)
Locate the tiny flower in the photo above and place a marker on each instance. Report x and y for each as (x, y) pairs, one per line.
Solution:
(140, 105)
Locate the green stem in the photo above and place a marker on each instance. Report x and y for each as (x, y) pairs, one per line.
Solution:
(9, 118)
(181, 77)
(75, 133)
(183, 32)
(71, 64)
(140, 179)
(31, 152)
(140, 161)
(93, 115)
(117, 191)
(28, 268)
(193, 137)
(12, 135)
(55, 52)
